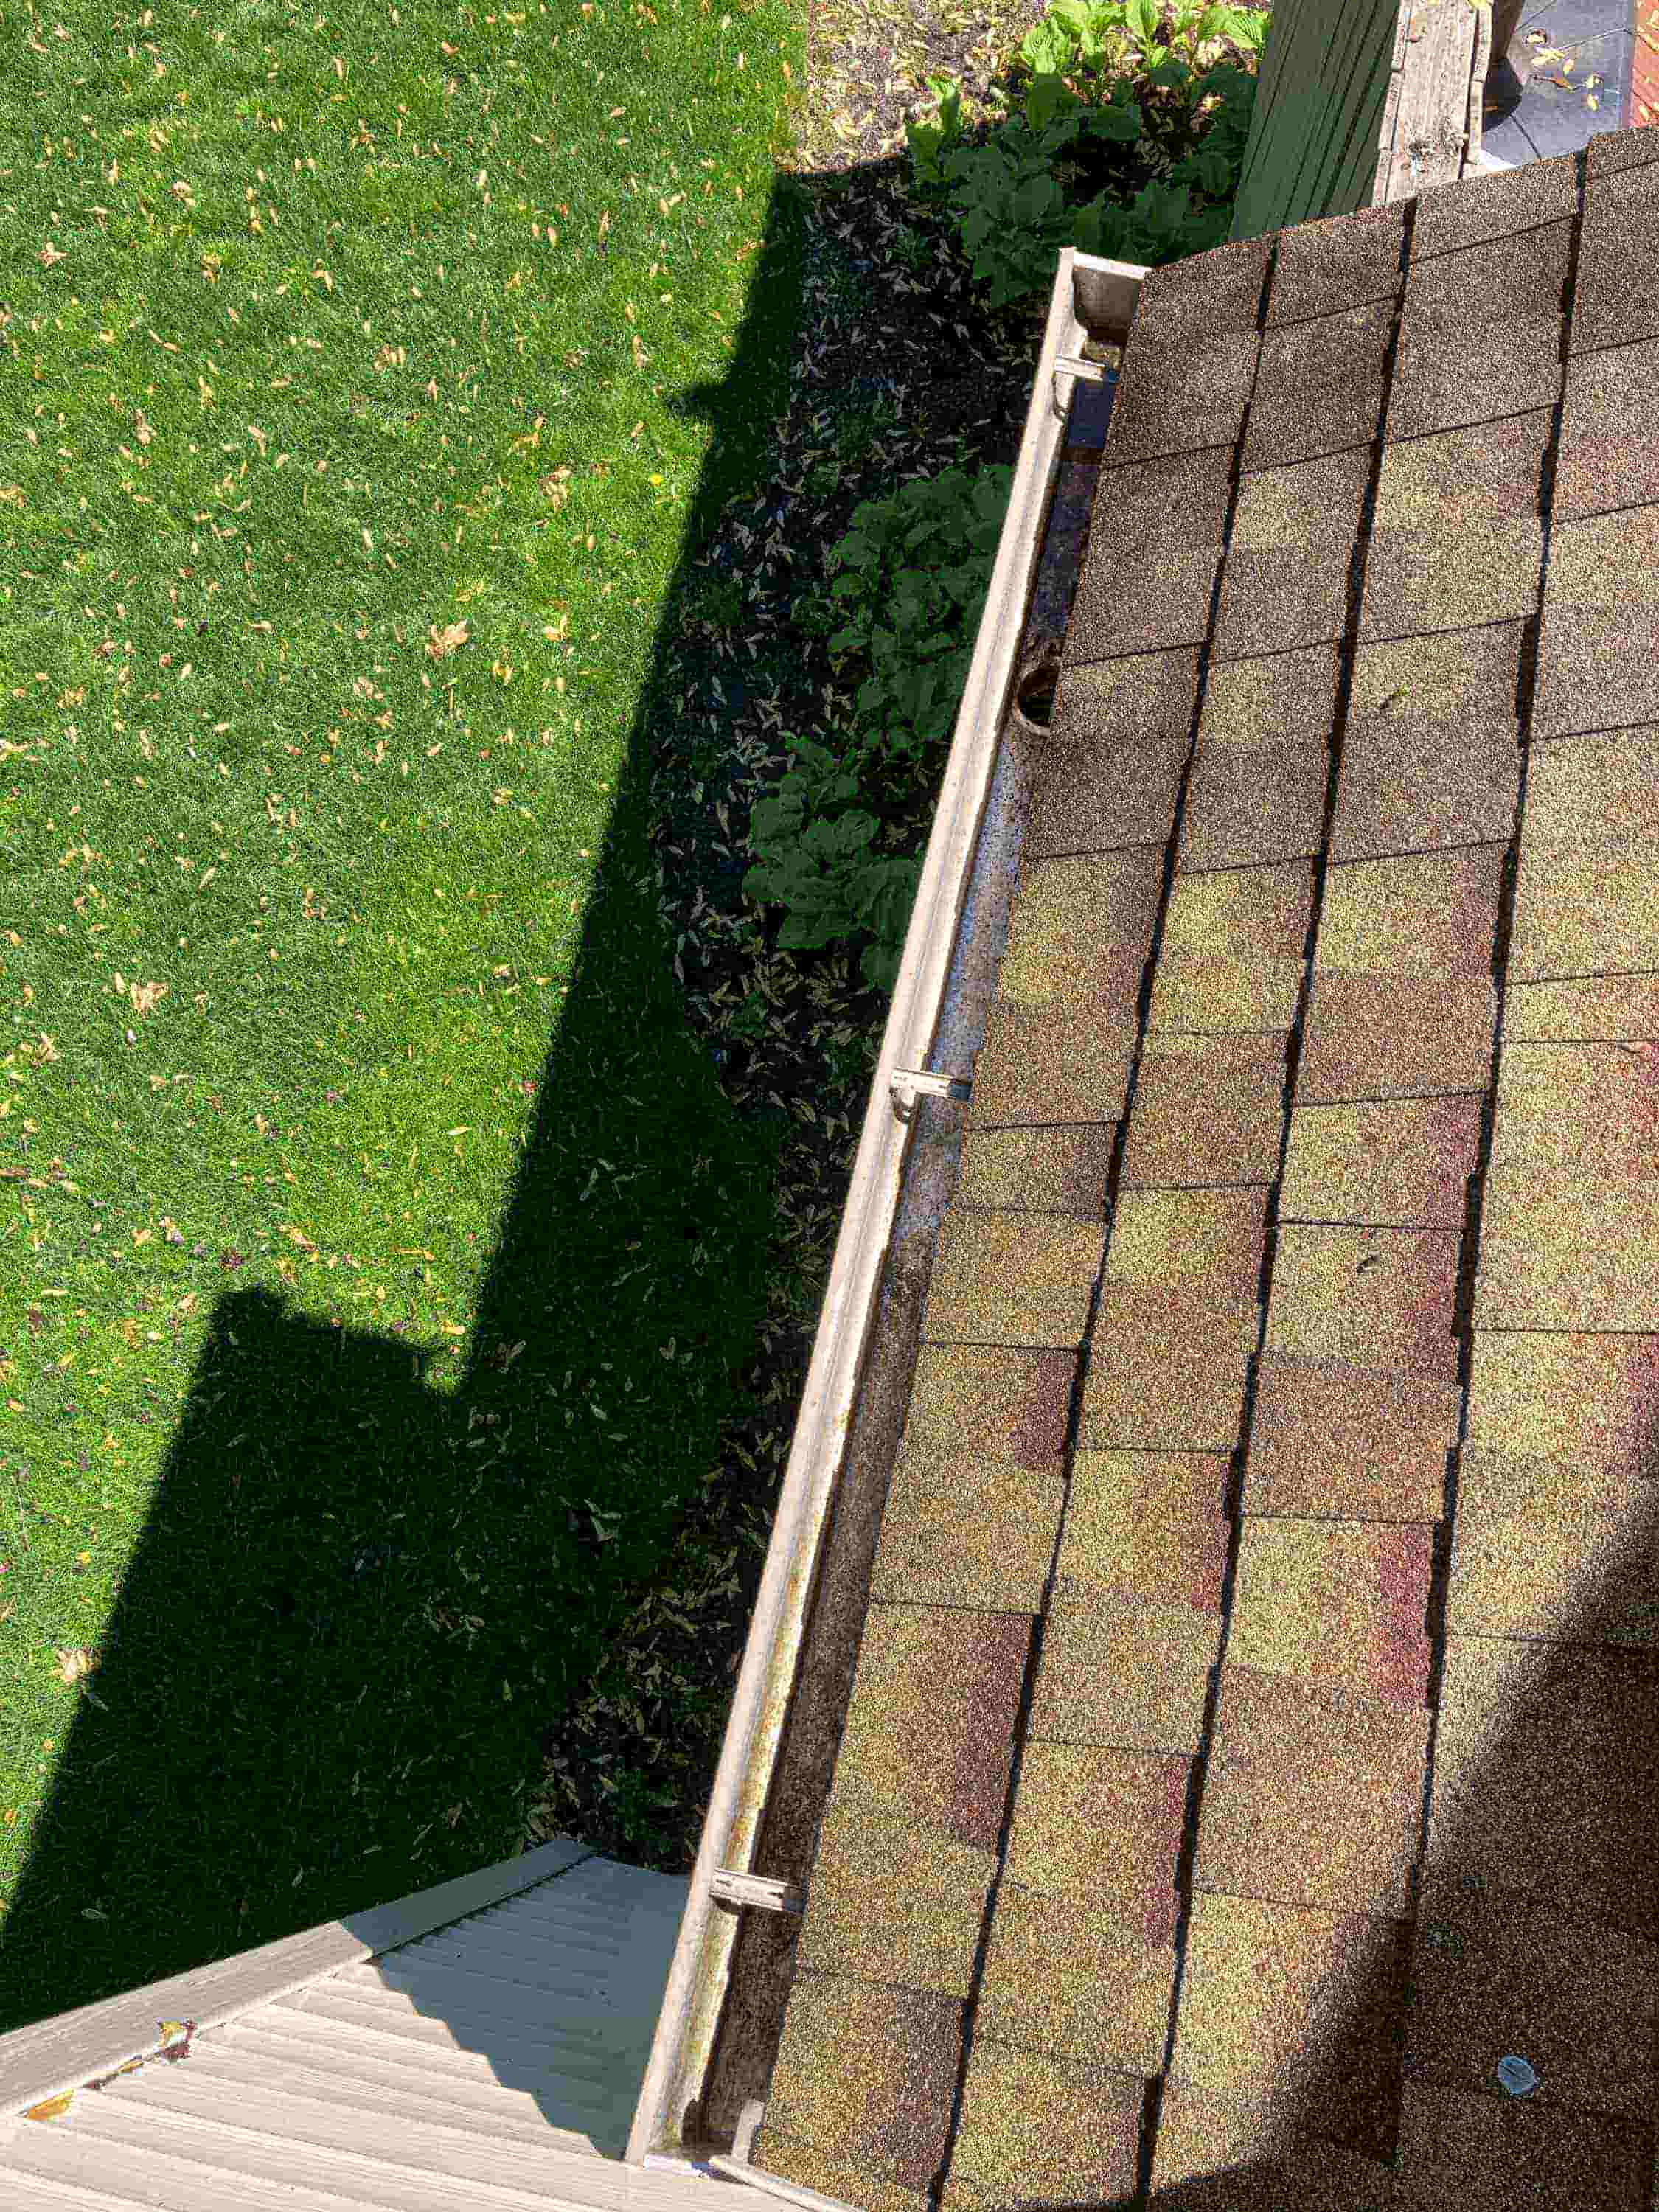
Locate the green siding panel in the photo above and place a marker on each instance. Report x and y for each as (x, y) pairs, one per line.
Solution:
(1323, 84)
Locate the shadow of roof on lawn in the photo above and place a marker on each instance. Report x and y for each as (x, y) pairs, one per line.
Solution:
(342, 1565)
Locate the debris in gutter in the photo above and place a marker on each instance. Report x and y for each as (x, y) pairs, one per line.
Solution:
(1517, 2076)
(175, 2043)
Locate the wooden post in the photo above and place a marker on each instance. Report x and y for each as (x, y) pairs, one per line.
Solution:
(1505, 14)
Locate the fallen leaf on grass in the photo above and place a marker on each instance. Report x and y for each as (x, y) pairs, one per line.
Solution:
(73, 1663)
(142, 995)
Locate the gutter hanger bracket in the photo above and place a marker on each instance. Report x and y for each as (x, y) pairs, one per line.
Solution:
(771, 1896)
(906, 1085)
(1069, 364)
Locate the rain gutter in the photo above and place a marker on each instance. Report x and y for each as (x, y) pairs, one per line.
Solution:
(902, 1180)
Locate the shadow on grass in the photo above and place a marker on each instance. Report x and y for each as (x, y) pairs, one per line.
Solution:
(359, 1599)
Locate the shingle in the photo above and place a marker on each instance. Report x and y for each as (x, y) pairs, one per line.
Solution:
(1340, 261)
(1081, 1981)
(892, 1902)
(929, 1730)
(1172, 1483)
(1338, 1603)
(848, 2180)
(1582, 1008)
(1569, 1221)
(1585, 1399)
(1486, 2153)
(1342, 356)
(1231, 958)
(1069, 1060)
(1092, 1823)
(1049, 1171)
(1403, 1003)
(1129, 1676)
(1285, 579)
(991, 1402)
(1478, 208)
(1012, 1279)
(961, 1530)
(1154, 547)
(868, 2073)
(1218, 289)
(1254, 802)
(1571, 1572)
(1545, 1774)
(1272, 694)
(1207, 1110)
(1296, 2008)
(1430, 757)
(1492, 1974)
(1208, 1243)
(1618, 249)
(1257, 789)
(1587, 894)
(1382, 1297)
(1598, 655)
(1229, 2153)
(1173, 1559)
(1333, 1440)
(1081, 928)
(862, 1841)
(1177, 1320)
(1165, 1371)
(1404, 1162)
(1039, 2130)
(1493, 1486)
(1480, 333)
(1141, 698)
(1608, 454)
(1173, 395)
(1311, 1796)
(1608, 155)
(1455, 535)
(1100, 798)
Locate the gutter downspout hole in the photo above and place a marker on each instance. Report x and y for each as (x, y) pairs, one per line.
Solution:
(1034, 694)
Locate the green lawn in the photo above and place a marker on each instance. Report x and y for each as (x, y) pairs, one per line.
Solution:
(378, 1251)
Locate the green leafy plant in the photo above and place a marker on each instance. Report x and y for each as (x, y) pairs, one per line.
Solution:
(1095, 74)
(817, 864)
(909, 582)
(929, 142)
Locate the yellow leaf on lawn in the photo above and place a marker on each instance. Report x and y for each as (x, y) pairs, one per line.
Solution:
(73, 1663)
(141, 1235)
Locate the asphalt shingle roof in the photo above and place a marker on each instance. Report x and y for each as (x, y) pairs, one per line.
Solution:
(1255, 1737)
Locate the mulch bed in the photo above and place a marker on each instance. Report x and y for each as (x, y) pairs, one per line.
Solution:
(889, 329)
